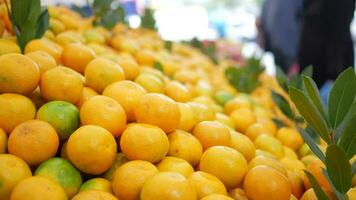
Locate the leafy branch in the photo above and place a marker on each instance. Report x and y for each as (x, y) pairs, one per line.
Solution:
(29, 20)
(208, 49)
(107, 14)
(147, 20)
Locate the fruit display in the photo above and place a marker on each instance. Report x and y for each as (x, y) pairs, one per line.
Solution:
(89, 113)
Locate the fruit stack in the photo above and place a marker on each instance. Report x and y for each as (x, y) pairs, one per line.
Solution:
(89, 114)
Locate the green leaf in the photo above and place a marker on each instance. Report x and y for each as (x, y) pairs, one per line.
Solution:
(313, 93)
(337, 193)
(338, 168)
(100, 7)
(317, 189)
(310, 113)
(282, 79)
(312, 144)
(308, 71)
(341, 96)
(348, 138)
(168, 45)
(147, 20)
(296, 81)
(353, 167)
(340, 129)
(283, 105)
(112, 17)
(278, 122)
(158, 66)
(43, 23)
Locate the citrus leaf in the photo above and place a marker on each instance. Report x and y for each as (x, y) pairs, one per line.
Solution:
(313, 93)
(296, 81)
(312, 144)
(279, 123)
(168, 45)
(338, 168)
(282, 78)
(158, 66)
(348, 138)
(147, 20)
(337, 193)
(317, 189)
(42, 24)
(283, 105)
(353, 167)
(340, 129)
(341, 96)
(309, 112)
(308, 71)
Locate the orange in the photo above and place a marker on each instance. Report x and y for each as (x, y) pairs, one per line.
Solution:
(293, 165)
(187, 117)
(63, 116)
(92, 149)
(127, 94)
(242, 144)
(130, 177)
(62, 172)
(128, 64)
(94, 195)
(159, 110)
(269, 125)
(93, 36)
(212, 133)
(235, 104)
(310, 195)
(289, 153)
(43, 60)
(150, 82)
(101, 72)
(46, 45)
(3, 141)
(174, 164)
(269, 144)
(120, 160)
(296, 183)
(18, 74)
(12, 170)
(144, 142)
(186, 76)
(217, 197)
(225, 163)
(352, 193)
(243, 118)
(256, 130)
(87, 93)
(184, 145)
(61, 83)
(15, 109)
(264, 153)
(267, 161)
(265, 182)
(168, 186)
(68, 37)
(290, 137)
(177, 91)
(96, 184)
(34, 141)
(315, 168)
(145, 57)
(238, 194)
(56, 26)
(105, 112)
(206, 184)
(8, 46)
(34, 188)
(77, 56)
(36, 98)
(304, 150)
(222, 118)
(202, 112)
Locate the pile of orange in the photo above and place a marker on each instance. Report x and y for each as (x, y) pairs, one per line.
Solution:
(84, 115)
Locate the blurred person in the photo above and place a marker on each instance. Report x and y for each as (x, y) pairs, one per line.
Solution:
(325, 40)
(280, 25)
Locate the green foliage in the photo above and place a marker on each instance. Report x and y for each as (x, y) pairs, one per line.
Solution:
(245, 78)
(209, 49)
(316, 187)
(106, 15)
(28, 19)
(147, 20)
(168, 45)
(158, 66)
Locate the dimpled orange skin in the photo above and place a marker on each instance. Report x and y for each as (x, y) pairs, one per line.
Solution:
(174, 164)
(177, 91)
(52, 48)
(187, 117)
(92, 149)
(263, 181)
(15, 109)
(184, 145)
(144, 142)
(105, 112)
(77, 56)
(256, 130)
(158, 110)
(206, 184)
(127, 94)
(242, 144)
(35, 188)
(269, 144)
(43, 60)
(243, 118)
(225, 163)
(94, 195)
(87, 93)
(18, 74)
(212, 133)
(130, 177)
(61, 83)
(168, 186)
(38, 136)
(101, 72)
(290, 137)
(202, 112)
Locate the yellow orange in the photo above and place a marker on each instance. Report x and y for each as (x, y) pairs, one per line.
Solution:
(267, 161)
(255, 130)
(290, 137)
(127, 94)
(222, 118)
(289, 153)
(269, 144)
(3, 141)
(120, 160)
(217, 197)
(238, 194)
(150, 82)
(293, 165)
(187, 117)
(96, 184)
(68, 37)
(87, 93)
(202, 112)
(46, 45)
(177, 91)
(174, 164)
(235, 104)
(105, 112)
(145, 57)
(43, 60)
(315, 168)
(77, 56)
(8, 46)
(206, 184)
(243, 118)
(212, 133)
(296, 183)
(18, 74)
(159, 110)
(38, 136)
(242, 144)
(94, 195)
